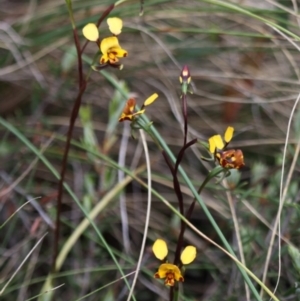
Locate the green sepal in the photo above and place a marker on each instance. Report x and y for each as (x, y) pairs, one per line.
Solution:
(213, 173)
(207, 159)
(184, 88)
(204, 144)
(132, 133)
(226, 173)
(147, 126)
(135, 125)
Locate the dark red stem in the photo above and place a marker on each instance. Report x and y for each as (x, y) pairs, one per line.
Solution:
(81, 88)
(74, 114)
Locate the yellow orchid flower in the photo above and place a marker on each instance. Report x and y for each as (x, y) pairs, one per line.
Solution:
(227, 158)
(168, 271)
(129, 112)
(110, 47)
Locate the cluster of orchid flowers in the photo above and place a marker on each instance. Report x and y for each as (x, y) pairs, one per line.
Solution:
(111, 51)
(227, 159)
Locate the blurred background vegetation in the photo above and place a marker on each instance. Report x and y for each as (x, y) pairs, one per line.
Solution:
(245, 73)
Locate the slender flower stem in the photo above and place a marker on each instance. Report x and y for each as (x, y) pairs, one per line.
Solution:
(192, 206)
(171, 293)
(151, 130)
(81, 89)
(82, 86)
(205, 210)
(63, 171)
(184, 112)
(184, 80)
(180, 238)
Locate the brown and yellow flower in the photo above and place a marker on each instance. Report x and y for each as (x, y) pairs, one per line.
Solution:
(129, 112)
(228, 159)
(168, 271)
(110, 47)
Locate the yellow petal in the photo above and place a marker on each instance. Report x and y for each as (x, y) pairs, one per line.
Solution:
(212, 145)
(90, 32)
(125, 117)
(107, 43)
(188, 255)
(129, 106)
(119, 52)
(150, 99)
(130, 116)
(160, 249)
(104, 58)
(228, 134)
(167, 268)
(163, 270)
(140, 112)
(218, 141)
(115, 25)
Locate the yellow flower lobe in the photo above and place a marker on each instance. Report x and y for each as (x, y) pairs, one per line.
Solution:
(115, 25)
(150, 99)
(160, 249)
(228, 134)
(188, 255)
(90, 32)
